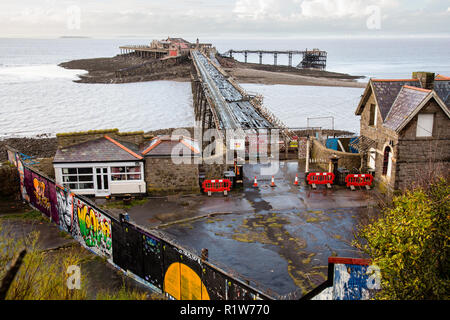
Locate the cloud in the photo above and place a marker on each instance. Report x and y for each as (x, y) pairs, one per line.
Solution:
(223, 18)
(333, 8)
(267, 9)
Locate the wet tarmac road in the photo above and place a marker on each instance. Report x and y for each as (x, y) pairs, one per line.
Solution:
(278, 238)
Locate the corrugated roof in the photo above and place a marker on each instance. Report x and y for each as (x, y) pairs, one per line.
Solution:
(408, 99)
(103, 149)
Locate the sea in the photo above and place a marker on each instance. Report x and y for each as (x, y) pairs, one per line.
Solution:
(38, 97)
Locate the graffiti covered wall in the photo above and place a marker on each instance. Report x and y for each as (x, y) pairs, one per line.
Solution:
(41, 193)
(64, 205)
(148, 257)
(353, 279)
(92, 228)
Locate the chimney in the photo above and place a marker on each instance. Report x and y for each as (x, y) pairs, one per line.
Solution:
(426, 79)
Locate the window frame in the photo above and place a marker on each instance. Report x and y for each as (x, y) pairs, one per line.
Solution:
(78, 182)
(421, 127)
(372, 115)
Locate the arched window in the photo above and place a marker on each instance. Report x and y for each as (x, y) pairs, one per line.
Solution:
(387, 161)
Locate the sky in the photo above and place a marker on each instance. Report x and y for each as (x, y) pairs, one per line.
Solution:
(225, 19)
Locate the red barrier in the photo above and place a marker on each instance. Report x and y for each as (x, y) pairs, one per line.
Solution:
(221, 185)
(320, 178)
(359, 180)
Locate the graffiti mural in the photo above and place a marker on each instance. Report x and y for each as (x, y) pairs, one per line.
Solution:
(92, 228)
(64, 205)
(182, 278)
(164, 266)
(23, 190)
(41, 193)
(354, 282)
(351, 279)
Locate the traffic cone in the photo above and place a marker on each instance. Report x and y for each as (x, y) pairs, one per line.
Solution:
(272, 184)
(296, 180)
(255, 184)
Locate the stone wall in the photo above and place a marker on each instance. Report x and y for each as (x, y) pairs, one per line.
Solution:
(412, 156)
(320, 155)
(65, 140)
(164, 177)
(383, 137)
(418, 156)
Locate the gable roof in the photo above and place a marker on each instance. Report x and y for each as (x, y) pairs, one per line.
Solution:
(103, 149)
(162, 146)
(408, 100)
(386, 91)
(442, 88)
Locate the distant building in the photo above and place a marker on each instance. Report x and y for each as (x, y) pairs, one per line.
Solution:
(405, 128)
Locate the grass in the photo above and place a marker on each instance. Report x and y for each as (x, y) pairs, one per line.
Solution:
(29, 215)
(118, 204)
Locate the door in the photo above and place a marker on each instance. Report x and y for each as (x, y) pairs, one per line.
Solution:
(102, 182)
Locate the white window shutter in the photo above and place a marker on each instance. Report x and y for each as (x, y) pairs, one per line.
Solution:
(425, 125)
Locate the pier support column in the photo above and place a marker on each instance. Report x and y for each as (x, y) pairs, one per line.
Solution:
(260, 57)
(290, 59)
(245, 56)
(275, 57)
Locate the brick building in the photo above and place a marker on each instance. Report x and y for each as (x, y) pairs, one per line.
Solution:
(405, 128)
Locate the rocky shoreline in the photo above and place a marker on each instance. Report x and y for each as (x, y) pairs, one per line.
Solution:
(103, 70)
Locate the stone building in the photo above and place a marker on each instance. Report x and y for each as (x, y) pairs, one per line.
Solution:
(172, 165)
(405, 128)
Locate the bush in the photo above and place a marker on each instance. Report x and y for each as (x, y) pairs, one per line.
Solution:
(409, 242)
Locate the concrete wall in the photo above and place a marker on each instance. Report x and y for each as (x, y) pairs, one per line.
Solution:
(320, 155)
(164, 177)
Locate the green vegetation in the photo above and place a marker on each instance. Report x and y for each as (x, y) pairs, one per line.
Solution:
(65, 134)
(44, 275)
(119, 204)
(409, 242)
(123, 294)
(29, 215)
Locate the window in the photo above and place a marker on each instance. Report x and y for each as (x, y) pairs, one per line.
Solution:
(425, 125)
(387, 162)
(373, 115)
(372, 157)
(125, 173)
(78, 178)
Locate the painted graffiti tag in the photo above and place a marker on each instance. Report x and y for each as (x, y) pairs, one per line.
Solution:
(39, 193)
(65, 208)
(23, 190)
(94, 228)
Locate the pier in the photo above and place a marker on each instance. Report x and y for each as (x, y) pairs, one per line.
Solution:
(314, 58)
(220, 103)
